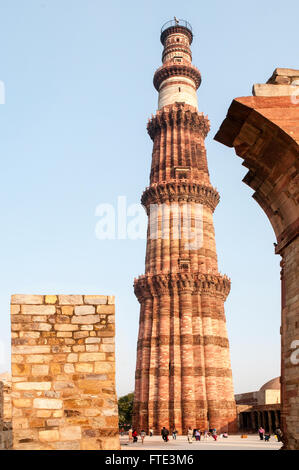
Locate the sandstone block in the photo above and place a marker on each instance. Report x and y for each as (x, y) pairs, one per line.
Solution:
(20, 369)
(32, 386)
(81, 334)
(84, 310)
(47, 403)
(91, 357)
(85, 319)
(39, 358)
(103, 367)
(50, 299)
(15, 309)
(41, 326)
(93, 340)
(105, 309)
(67, 310)
(72, 357)
(30, 349)
(107, 348)
(69, 368)
(95, 299)
(40, 369)
(66, 327)
(27, 299)
(38, 309)
(43, 413)
(92, 347)
(22, 402)
(70, 433)
(84, 367)
(70, 299)
(49, 435)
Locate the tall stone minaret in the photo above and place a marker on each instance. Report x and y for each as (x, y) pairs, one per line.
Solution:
(183, 373)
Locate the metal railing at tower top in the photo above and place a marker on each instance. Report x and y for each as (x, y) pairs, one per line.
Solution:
(175, 22)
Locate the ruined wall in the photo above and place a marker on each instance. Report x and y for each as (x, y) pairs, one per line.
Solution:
(5, 412)
(63, 367)
(264, 131)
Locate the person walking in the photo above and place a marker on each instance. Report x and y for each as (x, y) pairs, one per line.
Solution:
(130, 434)
(174, 433)
(261, 433)
(151, 432)
(189, 435)
(142, 435)
(197, 434)
(214, 434)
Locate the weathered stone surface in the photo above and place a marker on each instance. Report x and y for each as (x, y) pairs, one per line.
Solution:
(27, 299)
(70, 299)
(50, 299)
(59, 372)
(47, 403)
(84, 310)
(264, 131)
(48, 436)
(95, 299)
(85, 319)
(37, 309)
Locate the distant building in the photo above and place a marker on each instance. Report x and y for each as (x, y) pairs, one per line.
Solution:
(260, 408)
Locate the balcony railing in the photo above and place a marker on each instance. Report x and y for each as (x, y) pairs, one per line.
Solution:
(175, 22)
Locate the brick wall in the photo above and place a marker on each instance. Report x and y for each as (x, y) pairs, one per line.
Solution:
(63, 368)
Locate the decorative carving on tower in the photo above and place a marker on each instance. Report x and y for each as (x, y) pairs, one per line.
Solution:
(183, 373)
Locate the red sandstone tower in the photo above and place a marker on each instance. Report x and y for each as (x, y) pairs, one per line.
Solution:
(183, 373)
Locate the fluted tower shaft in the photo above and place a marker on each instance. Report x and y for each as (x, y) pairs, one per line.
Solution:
(183, 373)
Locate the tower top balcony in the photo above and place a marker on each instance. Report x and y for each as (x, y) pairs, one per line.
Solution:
(176, 26)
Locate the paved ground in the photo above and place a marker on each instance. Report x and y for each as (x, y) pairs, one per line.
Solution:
(233, 442)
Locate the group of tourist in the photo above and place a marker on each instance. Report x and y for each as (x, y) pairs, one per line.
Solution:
(192, 434)
(265, 436)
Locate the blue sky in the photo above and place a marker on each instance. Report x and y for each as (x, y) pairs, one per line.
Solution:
(78, 93)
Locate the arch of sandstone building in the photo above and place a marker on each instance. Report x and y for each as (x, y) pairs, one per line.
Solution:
(63, 368)
(183, 372)
(264, 131)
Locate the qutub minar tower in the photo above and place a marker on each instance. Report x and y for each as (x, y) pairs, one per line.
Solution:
(183, 372)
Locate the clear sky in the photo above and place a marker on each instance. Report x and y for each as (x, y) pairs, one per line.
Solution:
(78, 93)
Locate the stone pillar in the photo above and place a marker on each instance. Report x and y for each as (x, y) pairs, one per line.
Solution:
(63, 366)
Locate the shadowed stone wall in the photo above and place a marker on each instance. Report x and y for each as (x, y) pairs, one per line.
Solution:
(63, 367)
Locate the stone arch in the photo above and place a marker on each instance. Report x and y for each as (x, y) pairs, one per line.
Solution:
(264, 131)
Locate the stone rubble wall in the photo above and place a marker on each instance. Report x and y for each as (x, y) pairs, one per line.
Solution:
(5, 415)
(63, 372)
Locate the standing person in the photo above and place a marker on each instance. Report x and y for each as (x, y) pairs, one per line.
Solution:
(189, 435)
(130, 434)
(278, 434)
(135, 435)
(214, 434)
(205, 434)
(197, 435)
(167, 434)
(174, 433)
(142, 435)
(151, 432)
(261, 433)
(164, 434)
